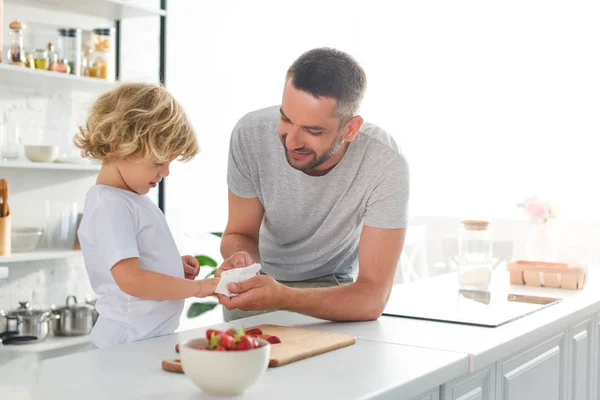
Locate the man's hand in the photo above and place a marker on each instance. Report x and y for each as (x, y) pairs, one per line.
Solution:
(191, 267)
(238, 259)
(260, 292)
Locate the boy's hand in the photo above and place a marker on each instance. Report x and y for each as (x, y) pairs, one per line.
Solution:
(191, 267)
(207, 287)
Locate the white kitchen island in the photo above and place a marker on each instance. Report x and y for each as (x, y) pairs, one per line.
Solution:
(551, 354)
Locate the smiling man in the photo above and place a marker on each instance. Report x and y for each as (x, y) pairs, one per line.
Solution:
(317, 196)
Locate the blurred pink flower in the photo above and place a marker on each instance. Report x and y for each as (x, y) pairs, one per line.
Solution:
(537, 210)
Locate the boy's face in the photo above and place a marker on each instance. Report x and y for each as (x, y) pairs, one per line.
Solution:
(141, 176)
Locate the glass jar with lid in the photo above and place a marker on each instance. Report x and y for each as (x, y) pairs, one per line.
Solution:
(16, 54)
(474, 255)
(69, 47)
(40, 58)
(103, 57)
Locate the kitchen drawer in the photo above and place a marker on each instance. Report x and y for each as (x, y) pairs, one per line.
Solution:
(433, 394)
(479, 385)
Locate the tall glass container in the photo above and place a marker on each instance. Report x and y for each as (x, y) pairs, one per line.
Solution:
(69, 47)
(474, 255)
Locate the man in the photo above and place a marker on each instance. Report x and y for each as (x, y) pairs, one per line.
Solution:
(315, 196)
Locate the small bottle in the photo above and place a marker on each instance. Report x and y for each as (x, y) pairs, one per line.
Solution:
(29, 61)
(52, 57)
(16, 56)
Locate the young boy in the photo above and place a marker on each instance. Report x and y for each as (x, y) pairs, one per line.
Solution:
(136, 131)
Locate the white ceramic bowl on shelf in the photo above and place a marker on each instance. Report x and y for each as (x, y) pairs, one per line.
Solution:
(224, 373)
(41, 153)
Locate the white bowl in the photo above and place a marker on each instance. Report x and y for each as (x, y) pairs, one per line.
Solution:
(41, 153)
(25, 239)
(224, 373)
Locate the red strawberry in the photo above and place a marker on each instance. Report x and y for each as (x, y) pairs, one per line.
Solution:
(209, 333)
(219, 348)
(254, 332)
(246, 343)
(226, 341)
(273, 340)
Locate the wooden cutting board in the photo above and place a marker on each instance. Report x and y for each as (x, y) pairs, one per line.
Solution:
(298, 343)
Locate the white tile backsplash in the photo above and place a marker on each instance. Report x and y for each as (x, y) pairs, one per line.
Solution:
(44, 283)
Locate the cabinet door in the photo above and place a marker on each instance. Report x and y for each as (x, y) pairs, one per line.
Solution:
(433, 394)
(581, 358)
(536, 373)
(477, 385)
(596, 371)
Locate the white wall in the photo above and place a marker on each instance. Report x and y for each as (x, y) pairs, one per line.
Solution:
(491, 102)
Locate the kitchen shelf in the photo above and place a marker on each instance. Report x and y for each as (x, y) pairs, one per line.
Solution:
(52, 80)
(39, 255)
(108, 9)
(50, 166)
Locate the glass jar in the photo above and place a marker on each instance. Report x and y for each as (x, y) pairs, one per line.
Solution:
(103, 57)
(69, 47)
(40, 57)
(474, 255)
(62, 66)
(16, 55)
(29, 61)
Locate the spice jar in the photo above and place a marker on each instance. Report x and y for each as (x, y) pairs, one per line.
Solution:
(29, 61)
(40, 57)
(474, 255)
(69, 47)
(16, 56)
(62, 66)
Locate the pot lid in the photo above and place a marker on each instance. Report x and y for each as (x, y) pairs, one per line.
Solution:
(25, 310)
(71, 304)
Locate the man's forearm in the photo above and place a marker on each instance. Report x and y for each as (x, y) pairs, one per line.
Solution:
(354, 302)
(233, 242)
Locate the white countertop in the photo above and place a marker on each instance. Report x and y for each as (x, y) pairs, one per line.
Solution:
(393, 358)
(365, 370)
(484, 345)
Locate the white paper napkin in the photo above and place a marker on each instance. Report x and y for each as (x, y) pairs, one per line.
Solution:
(235, 275)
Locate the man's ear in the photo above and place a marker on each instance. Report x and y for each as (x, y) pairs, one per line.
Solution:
(352, 127)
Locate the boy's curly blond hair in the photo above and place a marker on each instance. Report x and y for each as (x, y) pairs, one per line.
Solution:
(137, 120)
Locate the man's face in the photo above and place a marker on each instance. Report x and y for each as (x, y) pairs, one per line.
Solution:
(309, 130)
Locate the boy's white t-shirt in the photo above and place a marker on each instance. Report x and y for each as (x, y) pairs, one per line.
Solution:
(118, 224)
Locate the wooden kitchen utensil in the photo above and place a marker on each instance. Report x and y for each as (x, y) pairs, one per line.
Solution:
(299, 343)
(546, 274)
(5, 223)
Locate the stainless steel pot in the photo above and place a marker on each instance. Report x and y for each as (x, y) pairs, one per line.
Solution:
(73, 319)
(25, 325)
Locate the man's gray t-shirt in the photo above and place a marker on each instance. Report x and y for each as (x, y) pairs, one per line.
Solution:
(312, 224)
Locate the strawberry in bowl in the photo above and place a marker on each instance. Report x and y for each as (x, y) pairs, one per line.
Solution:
(244, 357)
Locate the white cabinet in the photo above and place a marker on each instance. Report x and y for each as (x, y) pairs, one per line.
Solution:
(477, 385)
(596, 357)
(433, 394)
(536, 373)
(581, 360)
